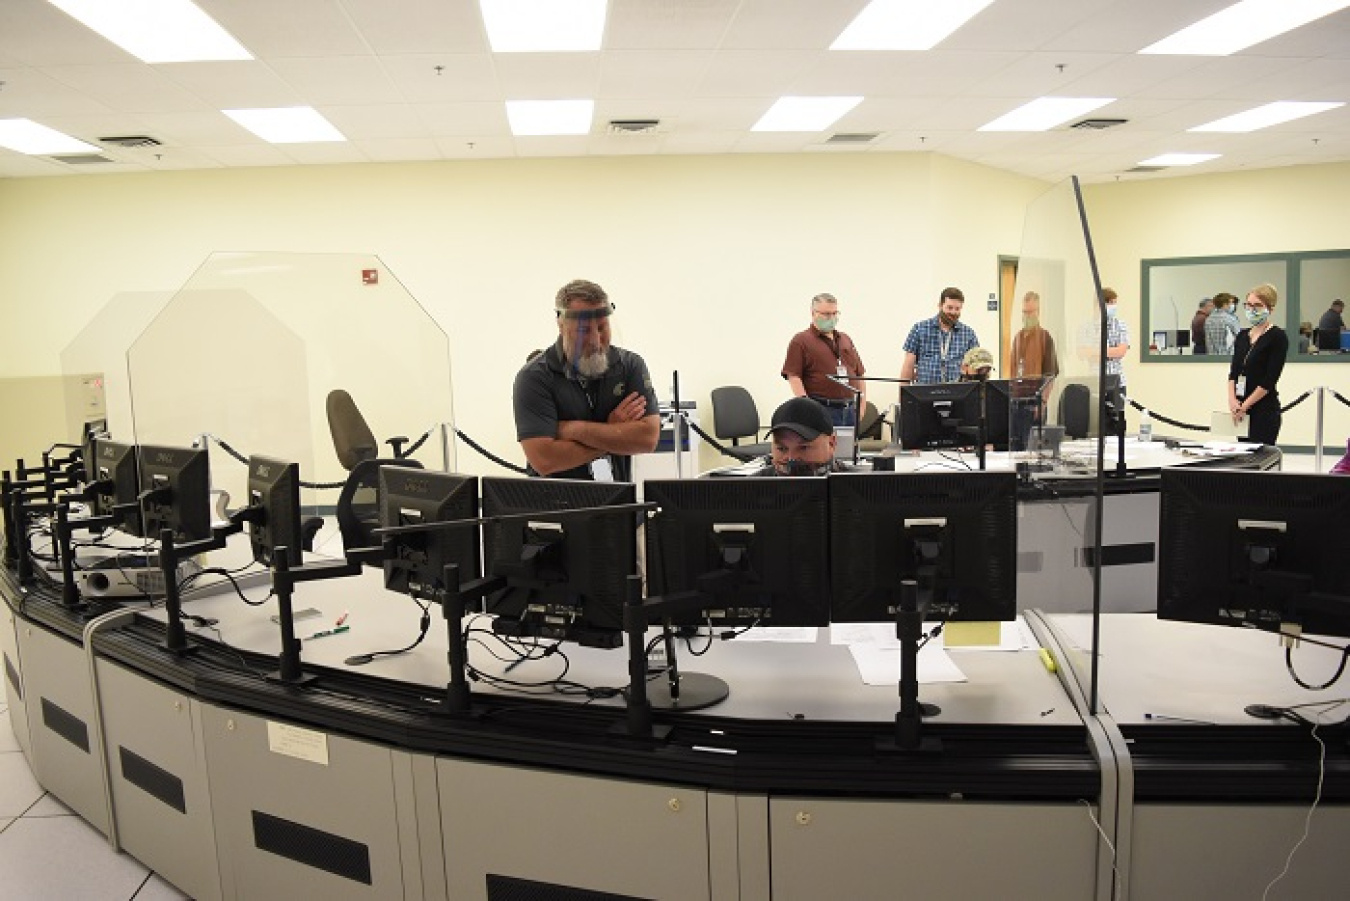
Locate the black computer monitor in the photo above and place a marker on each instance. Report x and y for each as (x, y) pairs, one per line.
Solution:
(415, 562)
(950, 413)
(176, 491)
(953, 532)
(113, 478)
(566, 575)
(274, 489)
(758, 547)
(1257, 549)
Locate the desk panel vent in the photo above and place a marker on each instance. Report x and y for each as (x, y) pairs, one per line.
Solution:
(13, 675)
(508, 888)
(66, 725)
(312, 847)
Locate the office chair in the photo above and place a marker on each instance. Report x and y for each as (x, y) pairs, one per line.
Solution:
(735, 416)
(1075, 410)
(358, 504)
(871, 437)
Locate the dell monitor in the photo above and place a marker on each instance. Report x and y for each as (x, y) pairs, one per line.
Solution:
(414, 562)
(566, 574)
(176, 491)
(758, 548)
(113, 480)
(955, 533)
(274, 492)
(950, 414)
(1257, 549)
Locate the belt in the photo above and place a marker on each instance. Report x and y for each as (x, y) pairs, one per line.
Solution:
(831, 402)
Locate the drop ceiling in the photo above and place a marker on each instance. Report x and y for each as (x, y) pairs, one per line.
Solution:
(415, 80)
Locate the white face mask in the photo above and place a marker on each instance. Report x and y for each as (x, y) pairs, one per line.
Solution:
(1257, 317)
(1110, 311)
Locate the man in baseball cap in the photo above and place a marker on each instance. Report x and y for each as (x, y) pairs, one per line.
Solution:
(976, 365)
(802, 439)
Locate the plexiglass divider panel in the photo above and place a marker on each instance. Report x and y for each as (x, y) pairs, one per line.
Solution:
(249, 349)
(1056, 374)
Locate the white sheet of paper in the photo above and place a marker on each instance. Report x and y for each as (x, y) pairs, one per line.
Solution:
(882, 635)
(787, 634)
(881, 666)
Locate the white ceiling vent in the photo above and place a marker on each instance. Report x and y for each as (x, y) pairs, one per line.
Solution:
(1147, 169)
(131, 141)
(1098, 124)
(82, 159)
(633, 126)
(854, 137)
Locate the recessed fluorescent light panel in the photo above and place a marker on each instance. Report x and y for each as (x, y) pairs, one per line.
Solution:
(544, 26)
(287, 125)
(1244, 24)
(805, 113)
(1178, 159)
(1266, 116)
(27, 136)
(157, 31)
(550, 117)
(906, 24)
(1044, 113)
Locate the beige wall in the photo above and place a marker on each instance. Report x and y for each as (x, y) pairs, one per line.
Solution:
(1276, 210)
(710, 260)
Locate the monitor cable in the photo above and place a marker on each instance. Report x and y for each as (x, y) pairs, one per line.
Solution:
(423, 627)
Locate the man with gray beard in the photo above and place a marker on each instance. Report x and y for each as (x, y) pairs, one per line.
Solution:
(584, 407)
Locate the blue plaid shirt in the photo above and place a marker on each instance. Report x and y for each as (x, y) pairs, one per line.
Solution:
(1117, 333)
(939, 353)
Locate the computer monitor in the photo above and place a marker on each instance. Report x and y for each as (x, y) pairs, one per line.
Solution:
(758, 547)
(1257, 549)
(950, 413)
(176, 491)
(566, 574)
(274, 489)
(415, 562)
(953, 532)
(113, 478)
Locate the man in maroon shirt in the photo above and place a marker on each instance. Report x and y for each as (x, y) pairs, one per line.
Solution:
(821, 352)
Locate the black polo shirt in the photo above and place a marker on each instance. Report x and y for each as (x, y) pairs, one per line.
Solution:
(547, 392)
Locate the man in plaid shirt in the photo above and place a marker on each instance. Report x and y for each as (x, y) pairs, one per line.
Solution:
(935, 347)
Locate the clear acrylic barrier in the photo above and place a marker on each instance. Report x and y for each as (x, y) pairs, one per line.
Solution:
(1056, 372)
(247, 351)
(94, 363)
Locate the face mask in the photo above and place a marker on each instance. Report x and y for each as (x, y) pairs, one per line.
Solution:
(826, 323)
(1030, 320)
(1257, 317)
(802, 468)
(947, 319)
(1110, 311)
(980, 376)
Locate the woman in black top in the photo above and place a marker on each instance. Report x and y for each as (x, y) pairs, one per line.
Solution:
(1258, 360)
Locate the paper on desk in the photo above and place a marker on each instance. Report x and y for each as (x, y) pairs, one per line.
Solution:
(882, 635)
(881, 666)
(787, 634)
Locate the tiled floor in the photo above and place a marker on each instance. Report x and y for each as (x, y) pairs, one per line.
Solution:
(48, 852)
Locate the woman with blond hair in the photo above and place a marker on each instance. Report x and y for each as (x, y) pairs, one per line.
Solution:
(1258, 360)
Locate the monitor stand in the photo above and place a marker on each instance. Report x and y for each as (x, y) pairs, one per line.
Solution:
(683, 691)
(908, 737)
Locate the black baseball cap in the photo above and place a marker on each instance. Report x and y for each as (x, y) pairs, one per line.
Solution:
(803, 416)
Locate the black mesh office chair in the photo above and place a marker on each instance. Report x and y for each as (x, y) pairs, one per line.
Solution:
(358, 504)
(735, 416)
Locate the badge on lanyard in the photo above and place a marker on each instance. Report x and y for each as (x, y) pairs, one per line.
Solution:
(602, 470)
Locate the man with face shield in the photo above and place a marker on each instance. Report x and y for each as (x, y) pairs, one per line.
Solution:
(935, 347)
(583, 407)
(803, 440)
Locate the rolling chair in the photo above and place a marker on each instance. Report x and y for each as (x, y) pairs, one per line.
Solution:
(735, 416)
(358, 504)
(871, 437)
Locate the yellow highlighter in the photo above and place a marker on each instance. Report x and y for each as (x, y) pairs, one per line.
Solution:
(1049, 660)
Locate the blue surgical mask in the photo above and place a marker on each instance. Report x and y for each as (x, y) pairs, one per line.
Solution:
(1110, 311)
(826, 323)
(1257, 317)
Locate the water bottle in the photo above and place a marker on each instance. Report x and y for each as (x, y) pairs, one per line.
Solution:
(1145, 428)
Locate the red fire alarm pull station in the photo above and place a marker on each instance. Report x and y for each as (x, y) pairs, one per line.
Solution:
(370, 276)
